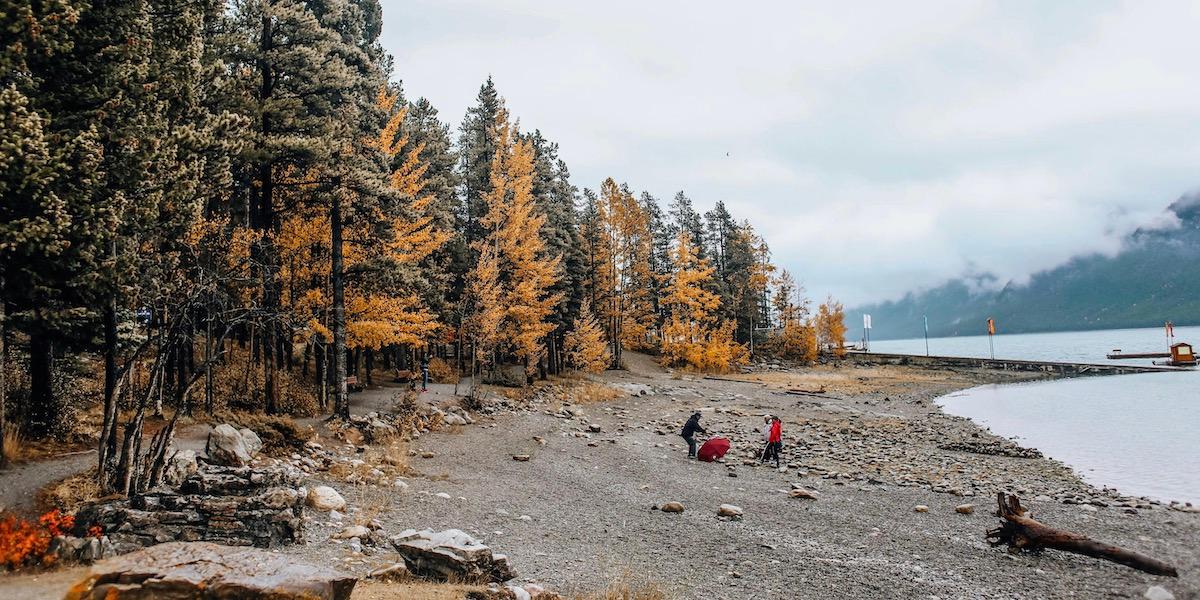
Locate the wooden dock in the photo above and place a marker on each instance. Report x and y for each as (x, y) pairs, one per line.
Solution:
(1063, 369)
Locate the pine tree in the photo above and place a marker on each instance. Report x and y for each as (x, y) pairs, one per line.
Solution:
(476, 146)
(555, 198)
(444, 270)
(684, 218)
(586, 347)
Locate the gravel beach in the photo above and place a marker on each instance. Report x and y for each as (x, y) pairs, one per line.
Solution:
(869, 443)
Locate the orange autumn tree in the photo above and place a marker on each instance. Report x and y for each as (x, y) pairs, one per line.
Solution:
(831, 326)
(796, 336)
(623, 280)
(693, 336)
(585, 344)
(512, 279)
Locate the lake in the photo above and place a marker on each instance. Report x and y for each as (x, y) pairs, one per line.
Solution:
(1138, 433)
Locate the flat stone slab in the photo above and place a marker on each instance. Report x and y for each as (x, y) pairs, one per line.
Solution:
(206, 571)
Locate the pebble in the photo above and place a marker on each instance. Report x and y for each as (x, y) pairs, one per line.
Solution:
(521, 457)
(1158, 592)
(729, 510)
(443, 495)
(964, 509)
(672, 507)
(921, 508)
(802, 493)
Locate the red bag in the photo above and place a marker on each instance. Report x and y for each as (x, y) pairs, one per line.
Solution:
(713, 449)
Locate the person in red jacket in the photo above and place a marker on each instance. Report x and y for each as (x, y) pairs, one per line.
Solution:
(775, 440)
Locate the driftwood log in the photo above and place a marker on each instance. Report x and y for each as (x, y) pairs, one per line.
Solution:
(1021, 532)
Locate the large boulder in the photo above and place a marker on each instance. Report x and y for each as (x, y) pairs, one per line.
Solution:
(180, 466)
(251, 440)
(324, 497)
(227, 446)
(451, 555)
(205, 571)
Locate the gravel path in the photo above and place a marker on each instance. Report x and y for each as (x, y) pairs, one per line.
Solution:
(579, 513)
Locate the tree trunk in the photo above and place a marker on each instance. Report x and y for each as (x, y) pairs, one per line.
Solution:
(1021, 532)
(340, 399)
(39, 416)
(3, 386)
(322, 373)
(208, 360)
(108, 427)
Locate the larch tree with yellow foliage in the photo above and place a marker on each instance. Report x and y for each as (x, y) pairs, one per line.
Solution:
(693, 336)
(585, 344)
(622, 282)
(524, 274)
(831, 327)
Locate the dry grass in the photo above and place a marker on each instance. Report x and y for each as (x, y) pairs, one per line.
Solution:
(412, 590)
(11, 445)
(591, 393)
(69, 494)
(628, 587)
(848, 381)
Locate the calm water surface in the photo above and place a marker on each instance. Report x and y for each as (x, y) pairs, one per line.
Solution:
(1138, 433)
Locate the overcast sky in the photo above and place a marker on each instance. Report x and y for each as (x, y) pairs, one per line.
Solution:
(879, 146)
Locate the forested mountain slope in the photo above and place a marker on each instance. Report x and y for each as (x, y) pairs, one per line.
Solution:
(1154, 278)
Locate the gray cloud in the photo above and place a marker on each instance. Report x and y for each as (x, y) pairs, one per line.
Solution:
(880, 146)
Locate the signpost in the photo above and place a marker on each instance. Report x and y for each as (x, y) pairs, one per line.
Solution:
(991, 333)
(867, 332)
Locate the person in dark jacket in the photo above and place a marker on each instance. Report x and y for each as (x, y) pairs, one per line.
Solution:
(689, 432)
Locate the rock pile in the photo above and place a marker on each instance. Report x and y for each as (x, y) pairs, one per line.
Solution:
(230, 447)
(451, 555)
(203, 571)
(238, 506)
(83, 550)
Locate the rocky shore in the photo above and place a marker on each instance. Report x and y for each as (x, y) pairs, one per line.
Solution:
(894, 500)
(879, 493)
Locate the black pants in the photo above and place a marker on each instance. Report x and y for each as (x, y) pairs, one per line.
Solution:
(691, 445)
(772, 452)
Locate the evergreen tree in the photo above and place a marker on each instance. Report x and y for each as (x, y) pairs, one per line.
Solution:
(684, 218)
(555, 198)
(447, 267)
(476, 147)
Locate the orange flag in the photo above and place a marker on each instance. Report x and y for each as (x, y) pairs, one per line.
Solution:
(991, 326)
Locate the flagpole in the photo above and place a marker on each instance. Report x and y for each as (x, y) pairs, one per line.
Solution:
(926, 318)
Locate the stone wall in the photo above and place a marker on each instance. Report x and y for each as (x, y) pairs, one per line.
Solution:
(236, 506)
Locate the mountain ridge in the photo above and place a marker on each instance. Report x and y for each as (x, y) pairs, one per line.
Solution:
(1154, 278)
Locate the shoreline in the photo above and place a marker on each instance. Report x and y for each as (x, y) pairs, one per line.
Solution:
(579, 513)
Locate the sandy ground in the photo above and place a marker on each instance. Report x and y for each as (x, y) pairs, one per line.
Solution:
(579, 513)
